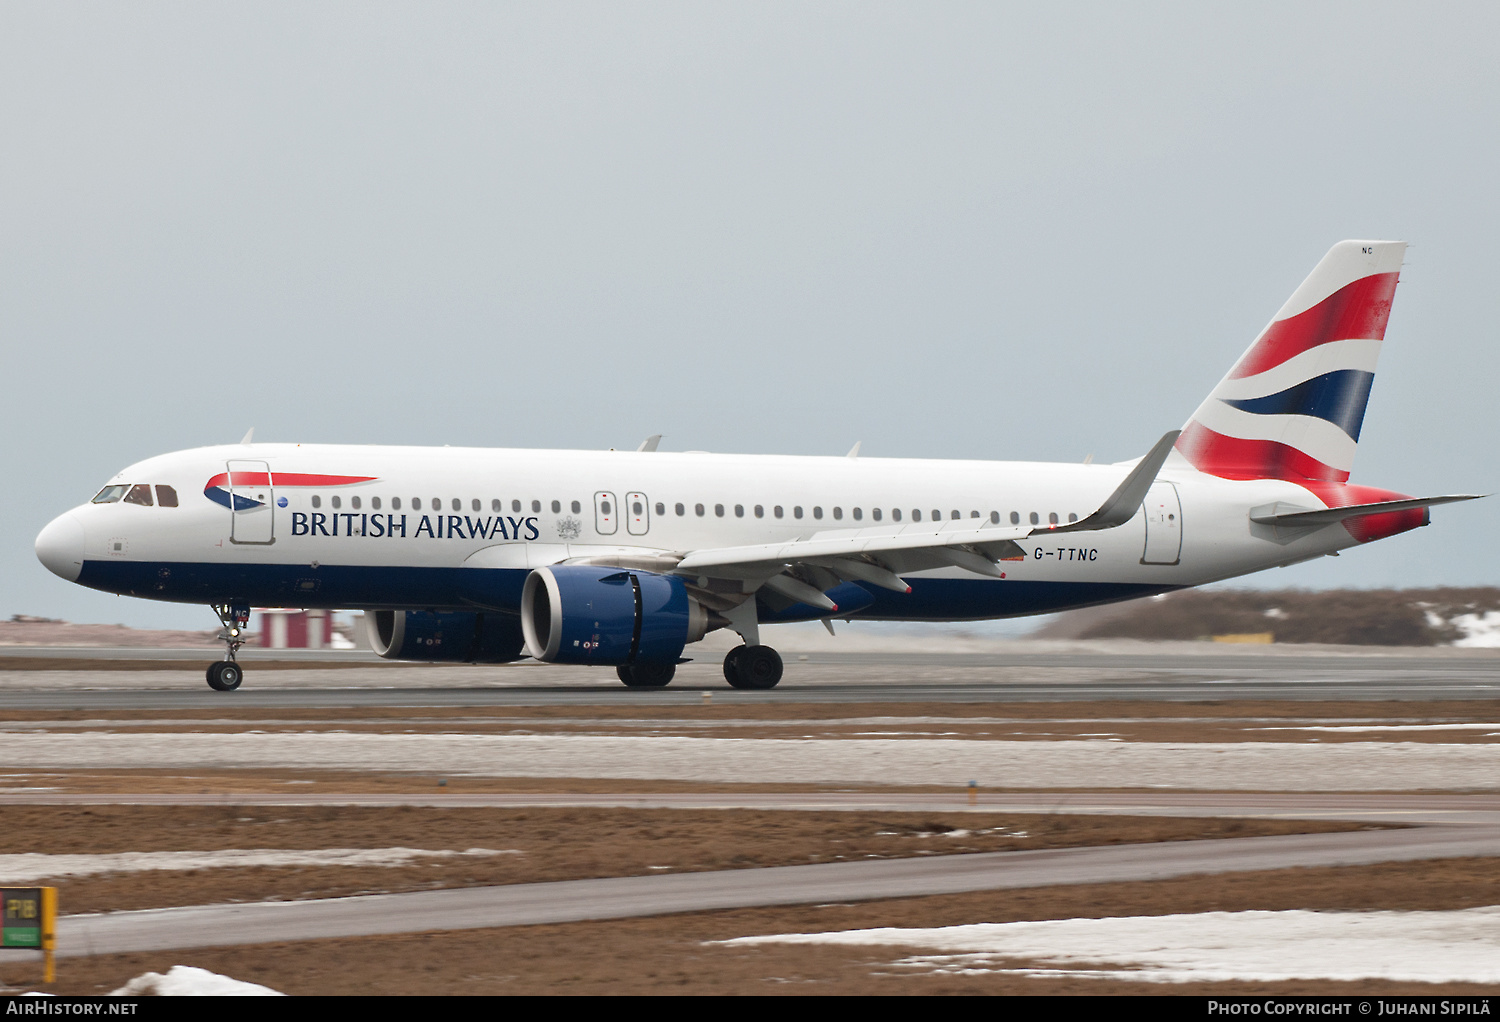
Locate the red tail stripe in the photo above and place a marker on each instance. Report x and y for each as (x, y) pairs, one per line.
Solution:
(1233, 458)
(1368, 528)
(285, 479)
(1356, 311)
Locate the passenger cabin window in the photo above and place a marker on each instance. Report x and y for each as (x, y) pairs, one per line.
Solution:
(994, 517)
(797, 512)
(1052, 518)
(395, 503)
(317, 501)
(661, 509)
(577, 507)
(875, 513)
(916, 514)
(536, 507)
(515, 506)
(777, 511)
(140, 493)
(416, 503)
(895, 514)
(110, 494)
(457, 505)
(1035, 518)
(760, 512)
(739, 510)
(437, 503)
(954, 514)
(838, 514)
(1015, 518)
(857, 513)
(680, 510)
(166, 496)
(354, 503)
(557, 507)
(817, 512)
(719, 510)
(495, 505)
(698, 510)
(375, 503)
(1072, 517)
(336, 503)
(474, 504)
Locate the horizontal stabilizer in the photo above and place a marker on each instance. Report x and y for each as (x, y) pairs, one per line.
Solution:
(1328, 516)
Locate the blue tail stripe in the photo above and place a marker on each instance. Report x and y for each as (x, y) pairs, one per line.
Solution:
(1337, 397)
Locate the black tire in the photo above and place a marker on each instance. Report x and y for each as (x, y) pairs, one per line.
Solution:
(731, 659)
(757, 667)
(646, 675)
(225, 676)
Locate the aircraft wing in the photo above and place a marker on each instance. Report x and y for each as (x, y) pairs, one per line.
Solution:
(801, 569)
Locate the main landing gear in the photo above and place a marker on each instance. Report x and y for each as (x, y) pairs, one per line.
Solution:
(226, 675)
(754, 667)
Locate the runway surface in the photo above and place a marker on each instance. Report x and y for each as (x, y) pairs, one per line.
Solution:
(620, 897)
(1019, 673)
(1389, 809)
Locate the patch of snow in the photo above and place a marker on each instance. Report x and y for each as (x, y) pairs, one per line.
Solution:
(186, 981)
(1276, 614)
(1378, 727)
(31, 867)
(1460, 946)
(1479, 629)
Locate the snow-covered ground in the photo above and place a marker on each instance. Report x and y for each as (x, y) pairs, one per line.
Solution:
(1480, 630)
(1414, 947)
(186, 981)
(29, 868)
(1225, 766)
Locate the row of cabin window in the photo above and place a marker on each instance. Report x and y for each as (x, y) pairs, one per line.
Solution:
(436, 504)
(777, 511)
(138, 493)
(858, 514)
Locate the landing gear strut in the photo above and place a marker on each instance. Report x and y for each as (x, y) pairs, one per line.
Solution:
(755, 667)
(226, 675)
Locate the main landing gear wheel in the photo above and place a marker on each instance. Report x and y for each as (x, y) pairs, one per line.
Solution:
(225, 676)
(646, 675)
(755, 667)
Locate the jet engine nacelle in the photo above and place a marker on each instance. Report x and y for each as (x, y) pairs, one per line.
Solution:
(583, 614)
(460, 637)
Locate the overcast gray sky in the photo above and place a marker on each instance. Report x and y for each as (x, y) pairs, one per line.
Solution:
(943, 229)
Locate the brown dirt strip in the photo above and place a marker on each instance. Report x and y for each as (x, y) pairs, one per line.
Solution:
(671, 954)
(556, 843)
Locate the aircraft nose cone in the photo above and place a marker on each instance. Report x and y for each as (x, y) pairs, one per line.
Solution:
(60, 547)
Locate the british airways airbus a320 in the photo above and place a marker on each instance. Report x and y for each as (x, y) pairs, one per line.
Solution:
(623, 559)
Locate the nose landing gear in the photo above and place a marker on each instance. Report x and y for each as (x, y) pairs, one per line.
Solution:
(226, 675)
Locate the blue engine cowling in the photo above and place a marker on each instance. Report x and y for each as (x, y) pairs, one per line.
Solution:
(459, 637)
(583, 614)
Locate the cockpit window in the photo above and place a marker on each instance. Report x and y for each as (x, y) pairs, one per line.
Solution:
(140, 493)
(166, 496)
(110, 494)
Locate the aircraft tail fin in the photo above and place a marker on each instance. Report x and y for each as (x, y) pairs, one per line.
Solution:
(1292, 406)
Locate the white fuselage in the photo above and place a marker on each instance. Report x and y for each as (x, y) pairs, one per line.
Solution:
(436, 528)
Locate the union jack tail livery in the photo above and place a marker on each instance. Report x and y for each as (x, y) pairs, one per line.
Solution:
(1292, 407)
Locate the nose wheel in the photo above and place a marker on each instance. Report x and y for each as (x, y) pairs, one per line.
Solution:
(226, 675)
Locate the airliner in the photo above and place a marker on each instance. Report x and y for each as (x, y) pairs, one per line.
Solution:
(624, 559)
